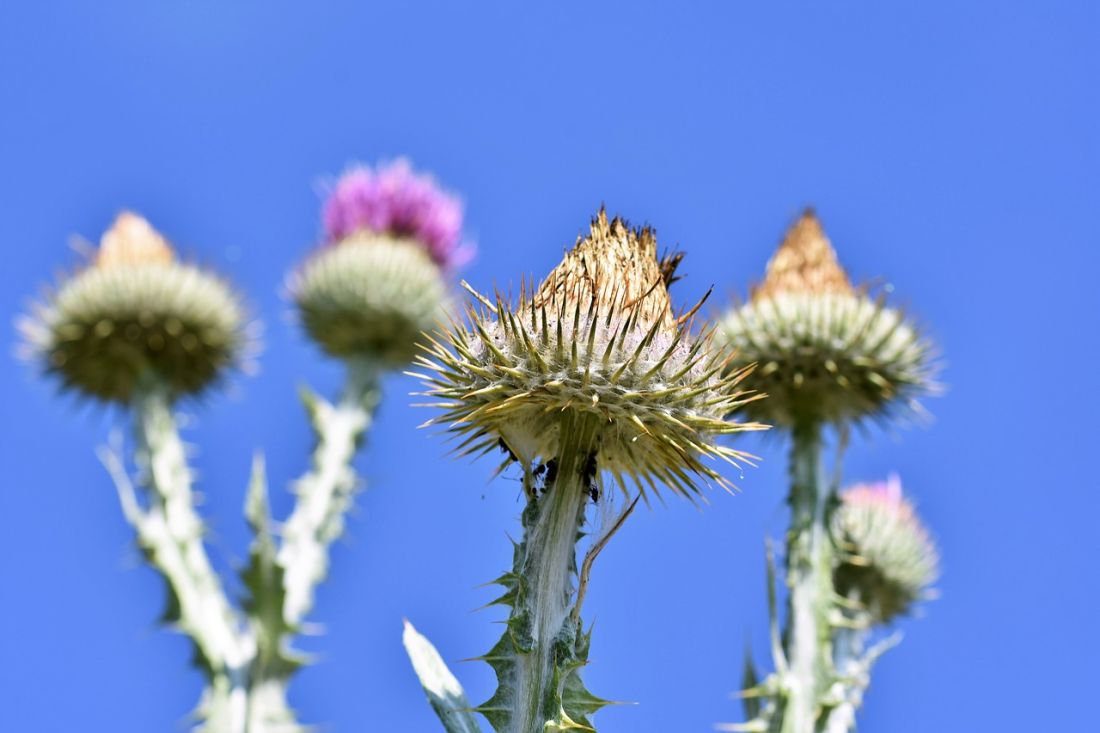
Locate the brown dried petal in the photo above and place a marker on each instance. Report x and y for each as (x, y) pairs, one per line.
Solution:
(804, 263)
(131, 240)
(616, 266)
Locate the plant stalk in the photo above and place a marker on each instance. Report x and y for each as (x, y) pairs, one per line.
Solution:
(170, 531)
(537, 661)
(247, 665)
(809, 578)
(548, 574)
(325, 491)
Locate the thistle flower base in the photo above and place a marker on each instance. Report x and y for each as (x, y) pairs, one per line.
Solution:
(370, 295)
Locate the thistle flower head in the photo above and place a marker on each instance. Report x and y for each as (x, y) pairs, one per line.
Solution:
(597, 337)
(393, 200)
(379, 282)
(137, 313)
(825, 351)
(887, 559)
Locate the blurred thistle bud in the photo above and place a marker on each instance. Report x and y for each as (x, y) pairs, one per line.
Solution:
(826, 352)
(886, 559)
(137, 313)
(379, 280)
(598, 338)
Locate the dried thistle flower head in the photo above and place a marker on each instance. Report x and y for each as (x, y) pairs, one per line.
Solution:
(597, 337)
(137, 313)
(887, 559)
(825, 351)
(804, 263)
(380, 279)
(131, 240)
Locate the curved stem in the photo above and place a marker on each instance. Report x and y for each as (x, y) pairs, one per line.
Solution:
(246, 665)
(171, 532)
(283, 581)
(325, 491)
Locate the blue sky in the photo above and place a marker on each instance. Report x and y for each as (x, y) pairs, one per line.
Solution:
(952, 150)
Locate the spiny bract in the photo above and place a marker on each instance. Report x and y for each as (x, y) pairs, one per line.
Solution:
(598, 336)
(370, 295)
(887, 559)
(825, 351)
(379, 280)
(137, 313)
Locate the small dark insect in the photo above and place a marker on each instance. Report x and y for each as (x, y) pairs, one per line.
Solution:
(505, 449)
(551, 471)
(589, 471)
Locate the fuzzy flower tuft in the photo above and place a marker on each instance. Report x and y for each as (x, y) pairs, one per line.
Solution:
(137, 314)
(826, 352)
(887, 559)
(395, 200)
(597, 338)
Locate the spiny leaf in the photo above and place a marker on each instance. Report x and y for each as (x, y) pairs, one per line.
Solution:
(263, 581)
(444, 692)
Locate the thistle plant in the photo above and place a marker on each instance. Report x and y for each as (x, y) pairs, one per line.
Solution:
(592, 386)
(139, 328)
(828, 355)
(885, 563)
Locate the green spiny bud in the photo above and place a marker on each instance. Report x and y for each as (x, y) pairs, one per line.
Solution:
(370, 295)
(887, 560)
(137, 313)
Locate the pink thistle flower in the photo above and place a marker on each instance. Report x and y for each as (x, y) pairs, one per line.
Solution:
(885, 495)
(394, 199)
(888, 558)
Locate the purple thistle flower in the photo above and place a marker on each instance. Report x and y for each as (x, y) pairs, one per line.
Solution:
(396, 200)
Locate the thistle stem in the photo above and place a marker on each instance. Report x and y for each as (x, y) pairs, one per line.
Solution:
(324, 494)
(538, 657)
(809, 577)
(171, 532)
(853, 661)
(325, 491)
(246, 684)
(848, 644)
(549, 566)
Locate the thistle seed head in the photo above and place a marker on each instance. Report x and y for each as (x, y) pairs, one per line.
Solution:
(598, 336)
(380, 281)
(137, 313)
(887, 560)
(824, 351)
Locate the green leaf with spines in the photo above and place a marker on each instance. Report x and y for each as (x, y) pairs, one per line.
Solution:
(263, 582)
